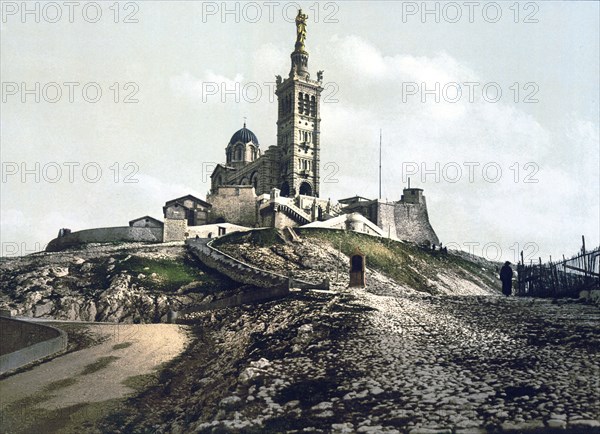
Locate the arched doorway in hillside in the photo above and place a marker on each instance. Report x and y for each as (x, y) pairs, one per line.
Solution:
(305, 189)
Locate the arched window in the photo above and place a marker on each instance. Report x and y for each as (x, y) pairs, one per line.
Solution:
(238, 153)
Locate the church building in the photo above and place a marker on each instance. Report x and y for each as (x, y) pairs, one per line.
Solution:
(274, 187)
(292, 165)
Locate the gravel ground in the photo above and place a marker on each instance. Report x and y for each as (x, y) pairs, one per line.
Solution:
(360, 362)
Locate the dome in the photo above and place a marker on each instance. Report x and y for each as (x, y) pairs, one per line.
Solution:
(244, 135)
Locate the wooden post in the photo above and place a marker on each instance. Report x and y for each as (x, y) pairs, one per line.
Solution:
(585, 268)
(522, 260)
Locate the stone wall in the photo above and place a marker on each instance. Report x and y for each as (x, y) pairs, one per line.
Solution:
(405, 221)
(234, 269)
(282, 220)
(354, 222)
(412, 223)
(233, 204)
(212, 231)
(244, 273)
(106, 235)
(146, 223)
(386, 218)
(24, 342)
(175, 230)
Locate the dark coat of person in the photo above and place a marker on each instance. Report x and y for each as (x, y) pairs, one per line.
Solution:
(506, 275)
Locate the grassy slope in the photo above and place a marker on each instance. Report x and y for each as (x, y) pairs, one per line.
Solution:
(405, 263)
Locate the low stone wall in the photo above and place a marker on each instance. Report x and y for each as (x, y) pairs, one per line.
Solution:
(106, 235)
(24, 342)
(233, 269)
(212, 231)
(245, 273)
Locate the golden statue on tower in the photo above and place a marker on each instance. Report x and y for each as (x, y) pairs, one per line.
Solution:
(300, 30)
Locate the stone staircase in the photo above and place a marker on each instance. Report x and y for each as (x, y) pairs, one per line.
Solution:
(241, 272)
(290, 233)
(297, 214)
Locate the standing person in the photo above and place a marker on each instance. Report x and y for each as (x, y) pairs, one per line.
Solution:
(506, 274)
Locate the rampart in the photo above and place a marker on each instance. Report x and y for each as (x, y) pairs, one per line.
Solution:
(106, 235)
(406, 221)
(412, 223)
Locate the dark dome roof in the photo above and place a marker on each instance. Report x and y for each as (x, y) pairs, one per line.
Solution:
(244, 135)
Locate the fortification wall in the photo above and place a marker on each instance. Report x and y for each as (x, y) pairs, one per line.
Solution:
(24, 342)
(386, 218)
(106, 235)
(234, 204)
(412, 223)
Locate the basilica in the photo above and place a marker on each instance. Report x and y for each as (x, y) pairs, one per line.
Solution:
(292, 166)
(274, 187)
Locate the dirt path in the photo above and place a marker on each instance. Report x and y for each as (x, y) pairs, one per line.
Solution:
(79, 387)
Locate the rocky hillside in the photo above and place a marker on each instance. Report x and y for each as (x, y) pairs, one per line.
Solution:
(140, 282)
(122, 282)
(393, 267)
(426, 347)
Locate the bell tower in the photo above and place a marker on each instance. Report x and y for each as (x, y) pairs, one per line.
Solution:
(298, 123)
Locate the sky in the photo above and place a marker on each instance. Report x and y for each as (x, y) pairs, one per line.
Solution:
(109, 109)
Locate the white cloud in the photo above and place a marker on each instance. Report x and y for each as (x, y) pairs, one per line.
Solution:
(203, 87)
(564, 157)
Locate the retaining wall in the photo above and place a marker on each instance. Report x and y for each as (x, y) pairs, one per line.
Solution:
(24, 342)
(244, 273)
(106, 235)
(234, 269)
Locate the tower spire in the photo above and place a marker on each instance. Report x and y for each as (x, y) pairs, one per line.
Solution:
(300, 55)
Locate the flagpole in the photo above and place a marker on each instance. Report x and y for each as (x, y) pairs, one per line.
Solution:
(380, 164)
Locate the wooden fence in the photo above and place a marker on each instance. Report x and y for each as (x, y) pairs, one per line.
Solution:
(563, 278)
